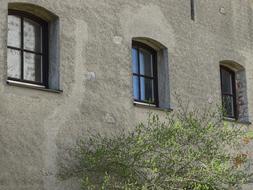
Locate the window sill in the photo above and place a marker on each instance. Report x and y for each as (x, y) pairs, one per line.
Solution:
(236, 121)
(31, 86)
(151, 106)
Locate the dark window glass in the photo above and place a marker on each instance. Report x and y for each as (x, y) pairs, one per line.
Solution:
(227, 84)
(144, 74)
(146, 63)
(228, 106)
(228, 92)
(27, 48)
(147, 89)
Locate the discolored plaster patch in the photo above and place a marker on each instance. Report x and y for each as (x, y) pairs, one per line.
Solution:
(64, 112)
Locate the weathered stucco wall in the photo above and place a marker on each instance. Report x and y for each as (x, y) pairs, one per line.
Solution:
(37, 127)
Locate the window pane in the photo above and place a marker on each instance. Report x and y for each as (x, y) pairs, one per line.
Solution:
(136, 87)
(32, 35)
(146, 63)
(14, 31)
(226, 82)
(32, 67)
(147, 90)
(134, 60)
(14, 63)
(228, 106)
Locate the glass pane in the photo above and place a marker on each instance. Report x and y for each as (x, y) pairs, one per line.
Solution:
(134, 60)
(146, 63)
(228, 106)
(226, 82)
(14, 64)
(136, 87)
(14, 31)
(147, 90)
(32, 67)
(32, 35)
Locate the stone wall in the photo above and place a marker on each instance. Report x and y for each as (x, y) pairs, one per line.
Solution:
(37, 127)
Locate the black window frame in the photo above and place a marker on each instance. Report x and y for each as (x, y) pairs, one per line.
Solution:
(192, 2)
(45, 47)
(138, 46)
(233, 94)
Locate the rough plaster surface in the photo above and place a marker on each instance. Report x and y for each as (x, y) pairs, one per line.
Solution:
(37, 127)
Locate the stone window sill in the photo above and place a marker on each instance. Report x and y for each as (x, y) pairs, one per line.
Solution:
(150, 106)
(236, 121)
(31, 86)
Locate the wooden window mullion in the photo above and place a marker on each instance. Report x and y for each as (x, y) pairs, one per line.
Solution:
(22, 48)
(226, 94)
(155, 80)
(234, 95)
(144, 76)
(139, 70)
(44, 56)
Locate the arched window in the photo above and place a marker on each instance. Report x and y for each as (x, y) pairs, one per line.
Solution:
(150, 73)
(33, 47)
(27, 48)
(234, 91)
(228, 91)
(144, 70)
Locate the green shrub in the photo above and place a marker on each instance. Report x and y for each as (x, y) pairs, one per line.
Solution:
(186, 151)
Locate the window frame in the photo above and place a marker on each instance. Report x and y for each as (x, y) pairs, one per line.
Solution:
(44, 51)
(137, 45)
(233, 95)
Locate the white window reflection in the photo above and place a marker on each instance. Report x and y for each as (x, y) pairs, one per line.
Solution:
(14, 31)
(32, 67)
(32, 35)
(14, 63)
